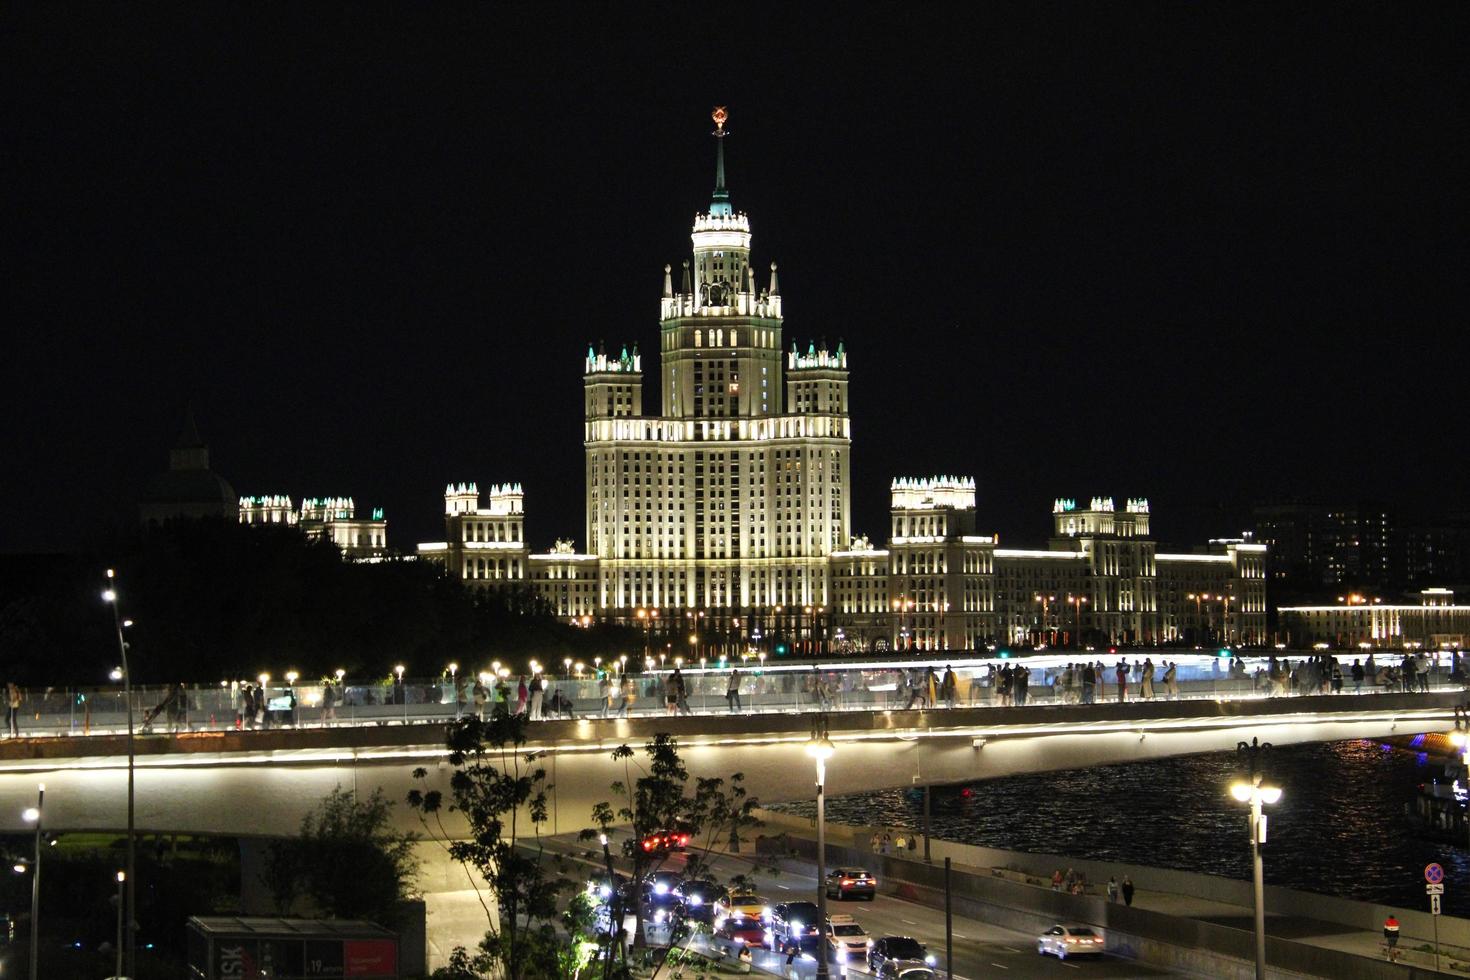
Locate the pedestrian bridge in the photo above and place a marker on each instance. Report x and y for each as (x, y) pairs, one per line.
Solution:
(261, 783)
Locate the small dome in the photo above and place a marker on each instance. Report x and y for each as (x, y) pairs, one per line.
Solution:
(188, 488)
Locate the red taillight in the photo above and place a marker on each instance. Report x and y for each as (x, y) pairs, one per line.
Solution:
(648, 845)
(683, 838)
(847, 881)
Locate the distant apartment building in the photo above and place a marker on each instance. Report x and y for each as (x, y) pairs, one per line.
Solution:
(1358, 621)
(333, 519)
(1318, 549)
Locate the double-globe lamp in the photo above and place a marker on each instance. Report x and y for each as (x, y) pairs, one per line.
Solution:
(1256, 793)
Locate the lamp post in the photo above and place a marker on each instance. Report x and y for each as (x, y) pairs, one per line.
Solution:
(1077, 602)
(1045, 601)
(819, 748)
(109, 596)
(121, 877)
(33, 815)
(402, 693)
(1225, 617)
(1256, 793)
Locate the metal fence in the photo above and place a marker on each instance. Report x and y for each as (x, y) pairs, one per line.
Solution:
(762, 689)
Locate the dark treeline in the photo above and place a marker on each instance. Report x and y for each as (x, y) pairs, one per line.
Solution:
(214, 600)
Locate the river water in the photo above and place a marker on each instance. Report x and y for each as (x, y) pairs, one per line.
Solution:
(1339, 828)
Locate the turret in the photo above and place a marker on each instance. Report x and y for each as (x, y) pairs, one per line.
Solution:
(613, 386)
(816, 382)
(461, 498)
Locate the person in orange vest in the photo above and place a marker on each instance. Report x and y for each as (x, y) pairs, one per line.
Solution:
(1391, 935)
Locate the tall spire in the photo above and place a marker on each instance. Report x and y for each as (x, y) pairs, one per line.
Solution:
(720, 204)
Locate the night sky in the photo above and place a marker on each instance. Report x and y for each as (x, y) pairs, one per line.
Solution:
(1206, 255)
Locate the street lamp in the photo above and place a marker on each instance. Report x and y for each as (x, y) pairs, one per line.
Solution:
(1077, 602)
(820, 749)
(110, 597)
(121, 877)
(401, 692)
(32, 814)
(1046, 601)
(1256, 793)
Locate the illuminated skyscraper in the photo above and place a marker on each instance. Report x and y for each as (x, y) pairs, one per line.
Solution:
(730, 499)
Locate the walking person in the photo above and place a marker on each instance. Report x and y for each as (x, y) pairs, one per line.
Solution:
(916, 692)
(1127, 890)
(1089, 683)
(1358, 673)
(479, 695)
(329, 702)
(12, 713)
(1147, 691)
(681, 692)
(949, 686)
(523, 694)
(538, 694)
(1112, 889)
(1171, 680)
(732, 692)
(1021, 684)
(604, 694)
(1121, 674)
(1391, 936)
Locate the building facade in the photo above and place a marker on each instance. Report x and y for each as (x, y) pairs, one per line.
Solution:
(728, 512)
(334, 519)
(1435, 622)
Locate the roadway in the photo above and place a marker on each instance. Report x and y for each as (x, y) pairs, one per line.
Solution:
(980, 949)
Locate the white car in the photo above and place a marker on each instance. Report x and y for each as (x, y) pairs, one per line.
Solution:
(1064, 941)
(847, 941)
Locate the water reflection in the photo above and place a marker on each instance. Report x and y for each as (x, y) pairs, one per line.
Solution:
(1339, 829)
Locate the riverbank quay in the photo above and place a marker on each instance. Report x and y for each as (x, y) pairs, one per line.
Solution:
(1192, 923)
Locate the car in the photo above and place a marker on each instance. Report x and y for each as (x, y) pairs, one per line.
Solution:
(906, 970)
(698, 900)
(747, 931)
(1065, 941)
(847, 941)
(741, 905)
(851, 883)
(660, 907)
(663, 882)
(603, 889)
(896, 948)
(660, 896)
(664, 841)
(790, 923)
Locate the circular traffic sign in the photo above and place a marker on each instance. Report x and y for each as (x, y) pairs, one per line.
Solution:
(1433, 874)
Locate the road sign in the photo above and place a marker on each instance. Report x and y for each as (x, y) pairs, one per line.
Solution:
(1433, 874)
(1434, 888)
(1434, 905)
